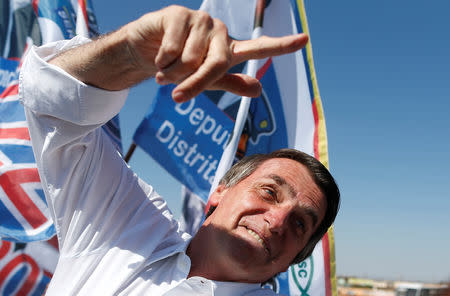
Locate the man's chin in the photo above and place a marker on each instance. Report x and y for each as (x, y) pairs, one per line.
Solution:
(248, 253)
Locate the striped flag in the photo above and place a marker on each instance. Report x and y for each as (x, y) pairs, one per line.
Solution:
(24, 213)
(26, 265)
(23, 210)
(26, 269)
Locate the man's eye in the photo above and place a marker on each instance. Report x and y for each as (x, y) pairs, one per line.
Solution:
(269, 194)
(299, 223)
(270, 191)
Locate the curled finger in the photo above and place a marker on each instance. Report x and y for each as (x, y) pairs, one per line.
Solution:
(195, 49)
(239, 84)
(215, 65)
(176, 32)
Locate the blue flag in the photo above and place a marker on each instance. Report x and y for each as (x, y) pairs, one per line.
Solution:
(187, 139)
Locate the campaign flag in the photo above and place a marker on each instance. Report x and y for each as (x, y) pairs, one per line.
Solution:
(23, 210)
(26, 264)
(26, 269)
(187, 139)
(288, 114)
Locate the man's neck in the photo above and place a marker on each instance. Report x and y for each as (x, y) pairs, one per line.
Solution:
(202, 258)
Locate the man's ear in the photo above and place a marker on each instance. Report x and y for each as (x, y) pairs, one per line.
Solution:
(217, 195)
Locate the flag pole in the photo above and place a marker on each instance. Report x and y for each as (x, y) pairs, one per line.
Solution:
(229, 152)
(130, 152)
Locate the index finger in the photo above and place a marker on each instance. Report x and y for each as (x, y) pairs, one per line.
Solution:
(265, 46)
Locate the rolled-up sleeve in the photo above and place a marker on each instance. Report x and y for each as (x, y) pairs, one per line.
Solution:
(110, 224)
(84, 177)
(49, 90)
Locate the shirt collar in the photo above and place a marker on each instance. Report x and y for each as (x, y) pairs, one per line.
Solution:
(233, 288)
(226, 288)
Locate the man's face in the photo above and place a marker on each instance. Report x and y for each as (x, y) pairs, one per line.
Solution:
(265, 220)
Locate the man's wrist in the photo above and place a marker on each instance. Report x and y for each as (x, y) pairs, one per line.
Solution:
(108, 62)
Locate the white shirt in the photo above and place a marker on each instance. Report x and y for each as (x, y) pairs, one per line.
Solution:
(116, 234)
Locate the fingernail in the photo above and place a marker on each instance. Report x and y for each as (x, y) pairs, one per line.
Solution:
(160, 78)
(178, 96)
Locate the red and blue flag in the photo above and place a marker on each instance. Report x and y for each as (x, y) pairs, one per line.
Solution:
(23, 210)
(27, 256)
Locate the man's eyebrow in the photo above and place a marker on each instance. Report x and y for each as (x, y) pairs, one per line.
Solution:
(282, 182)
(309, 211)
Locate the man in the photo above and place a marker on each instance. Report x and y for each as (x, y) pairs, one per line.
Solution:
(116, 235)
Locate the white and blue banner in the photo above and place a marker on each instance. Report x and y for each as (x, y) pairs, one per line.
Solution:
(288, 114)
(187, 139)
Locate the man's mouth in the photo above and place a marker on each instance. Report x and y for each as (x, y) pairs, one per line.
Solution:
(258, 238)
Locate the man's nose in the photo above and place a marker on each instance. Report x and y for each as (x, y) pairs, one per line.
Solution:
(277, 219)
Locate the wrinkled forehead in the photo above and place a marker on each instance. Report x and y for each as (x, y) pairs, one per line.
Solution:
(289, 173)
(286, 167)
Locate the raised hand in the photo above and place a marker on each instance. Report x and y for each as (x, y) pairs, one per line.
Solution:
(176, 45)
(194, 50)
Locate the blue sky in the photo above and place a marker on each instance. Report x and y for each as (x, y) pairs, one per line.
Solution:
(383, 73)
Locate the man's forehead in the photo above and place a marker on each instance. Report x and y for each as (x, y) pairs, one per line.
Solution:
(284, 167)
